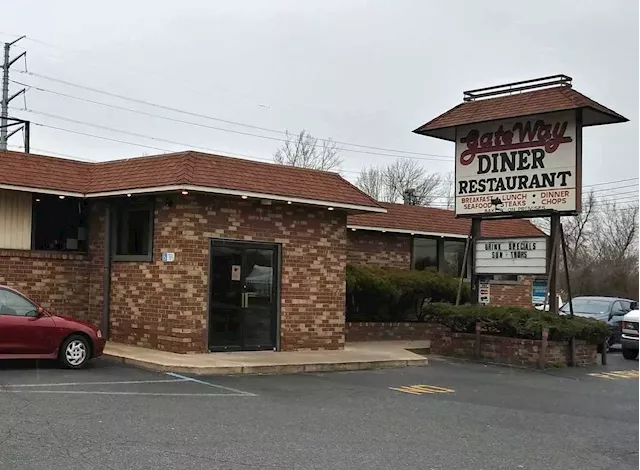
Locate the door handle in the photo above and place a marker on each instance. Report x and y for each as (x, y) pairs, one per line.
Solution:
(244, 303)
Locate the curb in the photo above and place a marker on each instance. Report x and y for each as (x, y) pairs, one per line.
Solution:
(267, 369)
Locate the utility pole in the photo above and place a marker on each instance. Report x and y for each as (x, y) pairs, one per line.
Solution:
(6, 99)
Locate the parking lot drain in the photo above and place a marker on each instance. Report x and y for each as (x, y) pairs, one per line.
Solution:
(422, 389)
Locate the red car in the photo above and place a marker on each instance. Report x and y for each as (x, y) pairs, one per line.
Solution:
(28, 331)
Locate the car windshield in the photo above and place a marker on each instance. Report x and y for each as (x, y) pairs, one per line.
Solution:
(588, 306)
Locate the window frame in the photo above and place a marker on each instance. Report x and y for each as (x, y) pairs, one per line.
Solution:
(440, 253)
(115, 215)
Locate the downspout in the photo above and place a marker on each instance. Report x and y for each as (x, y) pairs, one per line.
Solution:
(106, 282)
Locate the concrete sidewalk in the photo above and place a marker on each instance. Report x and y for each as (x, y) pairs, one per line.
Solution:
(355, 356)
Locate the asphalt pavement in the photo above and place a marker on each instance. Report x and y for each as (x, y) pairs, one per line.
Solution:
(447, 415)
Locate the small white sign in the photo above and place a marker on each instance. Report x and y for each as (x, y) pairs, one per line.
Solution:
(511, 256)
(169, 257)
(484, 293)
(235, 272)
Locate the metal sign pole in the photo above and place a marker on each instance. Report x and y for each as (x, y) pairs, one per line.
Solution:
(464, 266)
(551, 270)
(476, 228)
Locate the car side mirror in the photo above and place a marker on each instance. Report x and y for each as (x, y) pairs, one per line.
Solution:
(40, 312)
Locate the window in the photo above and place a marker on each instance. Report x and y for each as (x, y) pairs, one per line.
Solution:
(453, 256)
(133, 231)
(425, 253)
(58, 224)
(626, 306)
(13, 304)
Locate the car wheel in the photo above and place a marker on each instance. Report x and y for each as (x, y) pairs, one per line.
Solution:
(75, 352)
(630, 353)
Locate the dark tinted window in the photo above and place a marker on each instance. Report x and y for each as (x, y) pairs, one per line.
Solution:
(453, 256)
(133, 231)
(425, 253)
(59, 224)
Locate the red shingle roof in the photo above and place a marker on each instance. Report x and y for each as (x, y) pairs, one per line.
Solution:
(191, 169)
(431, 220)
(561, 98)
(37, 171)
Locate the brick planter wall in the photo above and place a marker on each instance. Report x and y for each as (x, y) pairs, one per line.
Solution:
(513, 351)
(409, 331)
(57, 281)
(512, 294)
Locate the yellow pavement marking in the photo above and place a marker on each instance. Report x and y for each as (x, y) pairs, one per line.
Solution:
(617, 374)
(421, 389)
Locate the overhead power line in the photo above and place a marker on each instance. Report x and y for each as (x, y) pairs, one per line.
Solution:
(415, 155)
(136, 144)
(192, 123)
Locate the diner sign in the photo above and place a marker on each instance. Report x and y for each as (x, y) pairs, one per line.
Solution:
(511, 255)
(523, 164)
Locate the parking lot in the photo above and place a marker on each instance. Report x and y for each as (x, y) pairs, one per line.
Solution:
(445, 415)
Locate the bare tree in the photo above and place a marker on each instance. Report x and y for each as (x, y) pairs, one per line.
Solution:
(602, 249)
(448, 190)
(408, 175)
(615, 232)
(577, 229)
(371, 181)
(304, 150)
(400, 181)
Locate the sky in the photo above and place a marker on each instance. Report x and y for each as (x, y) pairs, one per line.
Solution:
(359, 72)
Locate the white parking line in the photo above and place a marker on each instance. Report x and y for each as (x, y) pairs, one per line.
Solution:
(71, 384)
(177, 378)
(198, 381)
(152, 394)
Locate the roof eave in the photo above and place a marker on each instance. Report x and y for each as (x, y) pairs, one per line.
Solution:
(591, 117)
(33, 189)
(356, 227)
(240, 193)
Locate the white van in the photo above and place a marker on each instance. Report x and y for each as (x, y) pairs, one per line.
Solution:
(630, 334)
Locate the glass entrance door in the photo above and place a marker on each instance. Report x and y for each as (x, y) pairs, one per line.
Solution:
(243, 296)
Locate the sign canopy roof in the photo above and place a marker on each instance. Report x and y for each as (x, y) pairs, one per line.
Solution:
(529, 97)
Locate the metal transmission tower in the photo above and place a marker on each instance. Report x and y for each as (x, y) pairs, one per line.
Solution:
(6, 99)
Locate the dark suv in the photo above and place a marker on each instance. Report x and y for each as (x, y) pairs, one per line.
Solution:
(607, 309)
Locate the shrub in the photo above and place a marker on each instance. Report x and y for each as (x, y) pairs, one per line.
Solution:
(516, 322)
(382, 294)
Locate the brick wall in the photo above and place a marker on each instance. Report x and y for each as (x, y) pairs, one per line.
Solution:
(512, 294)
(407, 331)
(95, 265)
(512, 351)
(163, 305)
(57, 281)
(390, 250)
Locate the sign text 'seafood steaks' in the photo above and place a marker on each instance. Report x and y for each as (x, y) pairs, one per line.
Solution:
(526, 164)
